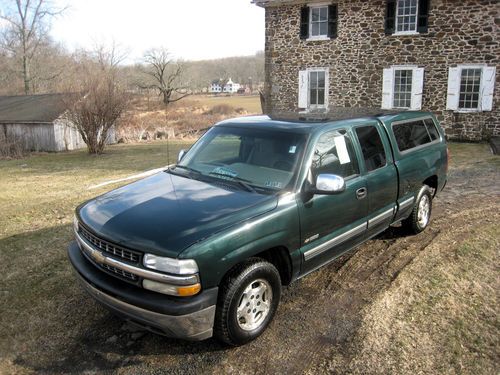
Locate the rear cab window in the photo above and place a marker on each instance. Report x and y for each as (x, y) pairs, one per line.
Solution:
(372, 148)
(414, 133)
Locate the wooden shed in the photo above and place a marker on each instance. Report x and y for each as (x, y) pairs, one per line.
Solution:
(36, 120)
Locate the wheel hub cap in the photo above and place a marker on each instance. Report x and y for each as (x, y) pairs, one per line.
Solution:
(254, 305)
(423, 211)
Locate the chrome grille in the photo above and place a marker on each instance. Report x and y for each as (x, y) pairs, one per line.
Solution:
(120, 272)
(117, 251)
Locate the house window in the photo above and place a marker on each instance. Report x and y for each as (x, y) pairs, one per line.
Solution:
(402, 88)
(470, 82)
(313, 88)
(471, 88)
(406, 16)
(317, 88)
(319, 22)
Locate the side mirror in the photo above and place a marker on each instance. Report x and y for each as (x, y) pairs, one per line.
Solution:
(181, 155)
(328, 184)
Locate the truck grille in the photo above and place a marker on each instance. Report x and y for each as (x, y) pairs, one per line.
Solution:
(119, 272)
(117, 251)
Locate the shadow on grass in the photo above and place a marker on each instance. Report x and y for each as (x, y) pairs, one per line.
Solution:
(50, 325)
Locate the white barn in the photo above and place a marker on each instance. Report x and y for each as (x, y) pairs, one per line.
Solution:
(37, 121)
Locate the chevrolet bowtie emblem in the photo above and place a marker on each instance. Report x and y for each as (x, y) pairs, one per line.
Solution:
(98, 256)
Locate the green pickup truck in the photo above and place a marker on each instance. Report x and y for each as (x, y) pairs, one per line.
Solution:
(203, 248)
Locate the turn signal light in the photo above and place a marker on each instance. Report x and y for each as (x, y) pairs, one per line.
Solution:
(185, 291)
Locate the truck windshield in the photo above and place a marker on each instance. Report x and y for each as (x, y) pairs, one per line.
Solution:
(254, 158)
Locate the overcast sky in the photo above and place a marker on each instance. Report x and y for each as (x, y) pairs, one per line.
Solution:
(190, 29)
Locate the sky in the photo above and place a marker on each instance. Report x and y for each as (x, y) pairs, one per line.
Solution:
(189, 29)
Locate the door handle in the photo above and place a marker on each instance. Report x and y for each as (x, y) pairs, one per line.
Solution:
(361, 193)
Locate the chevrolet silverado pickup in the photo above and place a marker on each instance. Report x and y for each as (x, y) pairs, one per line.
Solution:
(203, 248)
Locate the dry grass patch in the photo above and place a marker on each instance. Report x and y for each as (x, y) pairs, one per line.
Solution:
(40, 303)
(441, 313)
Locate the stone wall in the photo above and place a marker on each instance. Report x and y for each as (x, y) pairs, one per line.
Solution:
(460, 32)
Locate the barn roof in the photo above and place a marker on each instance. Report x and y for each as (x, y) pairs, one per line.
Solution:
(31, 108)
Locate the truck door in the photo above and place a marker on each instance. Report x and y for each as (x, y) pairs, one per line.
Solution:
(331, 224)
(381, 177)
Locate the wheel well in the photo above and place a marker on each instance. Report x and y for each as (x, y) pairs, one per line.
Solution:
(279, 257)
(432, 182)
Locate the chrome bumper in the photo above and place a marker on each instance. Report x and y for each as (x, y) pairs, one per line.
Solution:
(195, 326)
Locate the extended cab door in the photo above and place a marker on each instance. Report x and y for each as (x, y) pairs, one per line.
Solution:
(381, 176)
(332, 224)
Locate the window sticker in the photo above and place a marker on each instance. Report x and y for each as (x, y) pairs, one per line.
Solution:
(273, 184)
(292, 149)
(342, 152)
(223, 171)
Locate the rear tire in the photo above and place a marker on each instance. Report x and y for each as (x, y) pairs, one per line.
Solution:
(421, 215)
(248, 299)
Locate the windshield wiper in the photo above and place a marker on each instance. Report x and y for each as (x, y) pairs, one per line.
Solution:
(241, 181)
(189, 169)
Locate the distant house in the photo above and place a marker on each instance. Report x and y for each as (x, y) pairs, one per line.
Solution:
(230, 87)
(37, 121)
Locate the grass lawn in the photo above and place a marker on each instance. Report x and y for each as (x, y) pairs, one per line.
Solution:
(37, 200)
(250, 103)
(42, 307)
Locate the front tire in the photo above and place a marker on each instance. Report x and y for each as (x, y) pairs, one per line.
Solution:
(421, 215)
(248, 300)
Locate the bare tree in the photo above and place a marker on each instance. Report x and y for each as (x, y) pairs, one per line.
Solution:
(102, 101)
(164, 75)
(95, 114)
(27, 27)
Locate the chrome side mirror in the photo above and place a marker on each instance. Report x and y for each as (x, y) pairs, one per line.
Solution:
(181, 155)
(329, 184)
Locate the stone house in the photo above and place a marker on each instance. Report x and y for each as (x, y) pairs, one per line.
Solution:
(435, 55)
(37, 122)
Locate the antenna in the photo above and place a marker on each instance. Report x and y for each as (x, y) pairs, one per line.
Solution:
(168, 140)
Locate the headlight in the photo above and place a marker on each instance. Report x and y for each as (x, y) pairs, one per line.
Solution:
(170, 265)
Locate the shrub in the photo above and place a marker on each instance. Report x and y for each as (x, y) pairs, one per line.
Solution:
(221, 109)
(12, 146)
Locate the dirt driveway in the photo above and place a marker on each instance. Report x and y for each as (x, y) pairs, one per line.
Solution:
(330, 321)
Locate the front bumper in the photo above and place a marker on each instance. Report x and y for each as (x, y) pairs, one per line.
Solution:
(190, 318)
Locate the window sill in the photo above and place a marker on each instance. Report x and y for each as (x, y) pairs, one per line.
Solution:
(469, 110)
(313, 110)
(406, 33)
(317, 38)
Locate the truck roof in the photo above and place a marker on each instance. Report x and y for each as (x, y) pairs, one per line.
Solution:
(306, 122)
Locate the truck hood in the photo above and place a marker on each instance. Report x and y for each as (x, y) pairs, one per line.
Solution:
(164, 214)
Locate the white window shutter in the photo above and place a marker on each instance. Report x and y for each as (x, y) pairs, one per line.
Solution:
(417, 88)
(387, 88)
(303, 88)
(327, 86)
(453, 89)
(488, 87)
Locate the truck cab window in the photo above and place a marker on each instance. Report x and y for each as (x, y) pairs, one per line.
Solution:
(334, 154)
(372, 147)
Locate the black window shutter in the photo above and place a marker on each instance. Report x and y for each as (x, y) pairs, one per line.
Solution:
(390, 17)
(423, 16)
(304, 23)
(332, 21)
